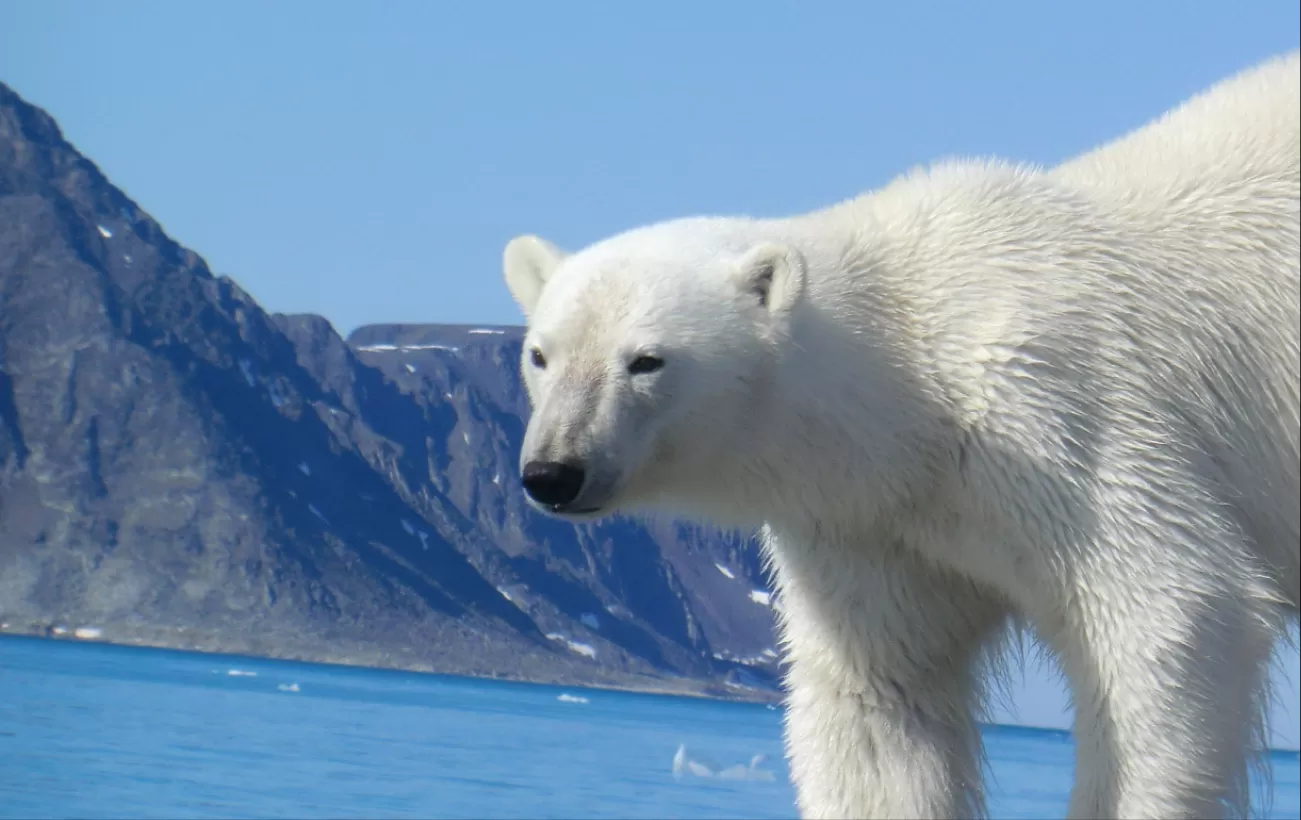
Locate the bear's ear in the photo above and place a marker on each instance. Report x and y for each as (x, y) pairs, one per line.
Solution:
(772, 274)
(528, 263)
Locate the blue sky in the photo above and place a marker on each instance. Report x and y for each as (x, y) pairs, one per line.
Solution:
(367, 162)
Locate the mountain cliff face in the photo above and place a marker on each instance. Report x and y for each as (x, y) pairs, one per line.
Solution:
(179, 468)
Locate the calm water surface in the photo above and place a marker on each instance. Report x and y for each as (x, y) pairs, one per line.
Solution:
(96, 731)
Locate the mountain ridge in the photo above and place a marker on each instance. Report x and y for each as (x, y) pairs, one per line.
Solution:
(180, 468)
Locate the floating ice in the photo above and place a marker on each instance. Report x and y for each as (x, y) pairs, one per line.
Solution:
(761, 597)
(105, 232)
(750, 772)
(304, 468)
(567, 698)
(683, 764)
(727, 573)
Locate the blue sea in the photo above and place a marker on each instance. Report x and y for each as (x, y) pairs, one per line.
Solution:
(97, 731)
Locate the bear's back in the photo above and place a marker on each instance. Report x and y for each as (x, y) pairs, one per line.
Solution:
(1245, 128)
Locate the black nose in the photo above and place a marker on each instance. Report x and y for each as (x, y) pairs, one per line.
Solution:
(552, 483)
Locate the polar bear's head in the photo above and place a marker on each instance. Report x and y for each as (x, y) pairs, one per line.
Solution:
(647, 359)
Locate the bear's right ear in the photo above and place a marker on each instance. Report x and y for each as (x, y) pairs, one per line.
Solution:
(528, 263)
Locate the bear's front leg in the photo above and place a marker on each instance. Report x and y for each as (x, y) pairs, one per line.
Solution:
(1166, 643)
(883, 681)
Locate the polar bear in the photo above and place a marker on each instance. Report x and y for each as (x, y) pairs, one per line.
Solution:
(982, 395)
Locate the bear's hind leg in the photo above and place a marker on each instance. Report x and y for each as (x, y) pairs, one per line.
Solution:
(885, 682)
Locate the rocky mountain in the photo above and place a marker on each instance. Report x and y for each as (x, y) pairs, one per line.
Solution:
(180, 468)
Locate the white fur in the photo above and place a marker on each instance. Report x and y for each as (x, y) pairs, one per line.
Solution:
(985, 393)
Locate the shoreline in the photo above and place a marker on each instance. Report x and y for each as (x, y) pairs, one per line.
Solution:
(694, 688)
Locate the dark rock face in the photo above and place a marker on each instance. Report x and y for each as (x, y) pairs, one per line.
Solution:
(179, 468)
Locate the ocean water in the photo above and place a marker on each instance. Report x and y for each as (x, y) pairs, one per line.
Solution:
(97, 731)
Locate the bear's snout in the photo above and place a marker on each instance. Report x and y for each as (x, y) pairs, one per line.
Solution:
(554, 484)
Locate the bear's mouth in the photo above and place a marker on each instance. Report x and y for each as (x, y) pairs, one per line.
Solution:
(557, 509)
(576, 513)
(567, 512)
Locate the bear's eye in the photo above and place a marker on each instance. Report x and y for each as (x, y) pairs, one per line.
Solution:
(537, 359)
(645, 364)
